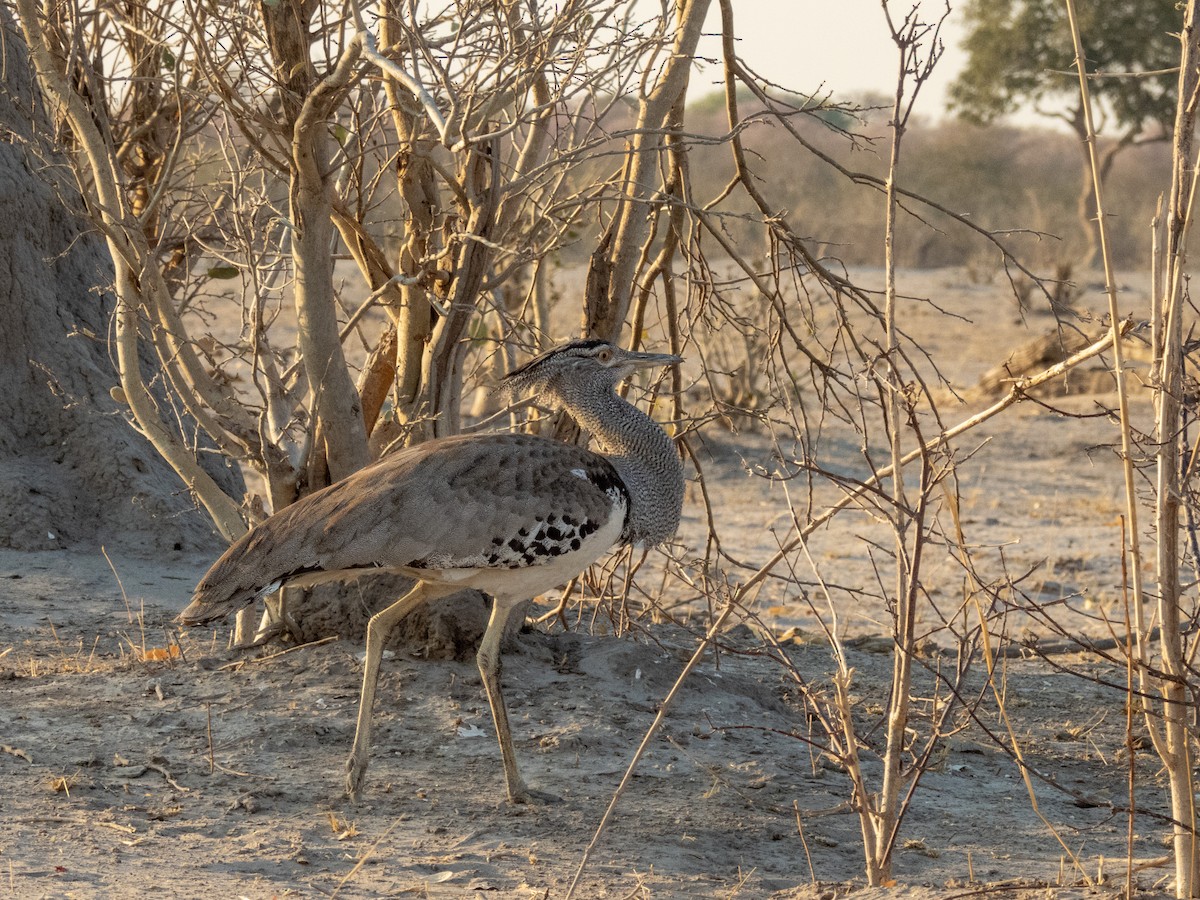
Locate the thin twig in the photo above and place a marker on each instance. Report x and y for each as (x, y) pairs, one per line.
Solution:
(239, 663)
(124, 596)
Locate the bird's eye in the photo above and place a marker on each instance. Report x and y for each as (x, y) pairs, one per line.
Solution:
(604, 355)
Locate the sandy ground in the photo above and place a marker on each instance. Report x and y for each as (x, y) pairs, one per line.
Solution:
(128, 771)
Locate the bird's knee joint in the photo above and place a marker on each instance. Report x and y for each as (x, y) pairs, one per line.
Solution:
(375, 626)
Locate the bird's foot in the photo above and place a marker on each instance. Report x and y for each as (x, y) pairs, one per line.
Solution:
(527, 796)
(356, 771)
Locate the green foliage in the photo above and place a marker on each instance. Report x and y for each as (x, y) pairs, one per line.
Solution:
(837, 115)
(1019, 50)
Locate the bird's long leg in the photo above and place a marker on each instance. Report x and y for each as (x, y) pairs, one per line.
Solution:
(488, 659)
(489, 668)
(378, 629)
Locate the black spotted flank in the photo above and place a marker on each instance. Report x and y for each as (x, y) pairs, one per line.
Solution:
(551, 535)
(605, 477)
(602, 474)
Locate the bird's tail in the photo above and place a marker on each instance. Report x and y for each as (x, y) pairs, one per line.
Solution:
(284, 549)
(235, 581)
(208, 605)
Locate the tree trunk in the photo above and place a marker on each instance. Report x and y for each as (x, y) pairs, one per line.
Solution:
(1177, 750)
(1086, 204)
(610, 287)
(339, 445)
(418, 186)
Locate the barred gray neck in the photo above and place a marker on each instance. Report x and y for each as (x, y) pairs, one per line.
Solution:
(642, 453)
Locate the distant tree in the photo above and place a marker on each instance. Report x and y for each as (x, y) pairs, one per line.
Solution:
(1019, 54)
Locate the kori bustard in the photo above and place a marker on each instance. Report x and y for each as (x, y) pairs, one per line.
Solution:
(512, 515)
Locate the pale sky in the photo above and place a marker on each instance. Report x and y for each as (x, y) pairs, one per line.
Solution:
(843, 44)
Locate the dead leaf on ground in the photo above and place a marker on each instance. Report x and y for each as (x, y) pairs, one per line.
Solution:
(16, 751)
(161, 654)
(343, 830)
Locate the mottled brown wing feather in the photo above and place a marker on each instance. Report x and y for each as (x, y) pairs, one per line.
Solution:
(458, 501)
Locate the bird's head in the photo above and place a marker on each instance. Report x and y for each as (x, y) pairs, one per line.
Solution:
(576, 365)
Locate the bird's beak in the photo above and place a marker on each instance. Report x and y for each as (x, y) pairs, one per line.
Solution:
(649, 360)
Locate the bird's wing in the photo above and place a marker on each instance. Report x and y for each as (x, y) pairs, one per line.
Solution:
(494, 501)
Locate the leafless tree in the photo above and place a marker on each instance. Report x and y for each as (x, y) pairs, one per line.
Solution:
(451, 154)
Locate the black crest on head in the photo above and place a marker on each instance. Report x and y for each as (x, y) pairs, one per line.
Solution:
(530, 375)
